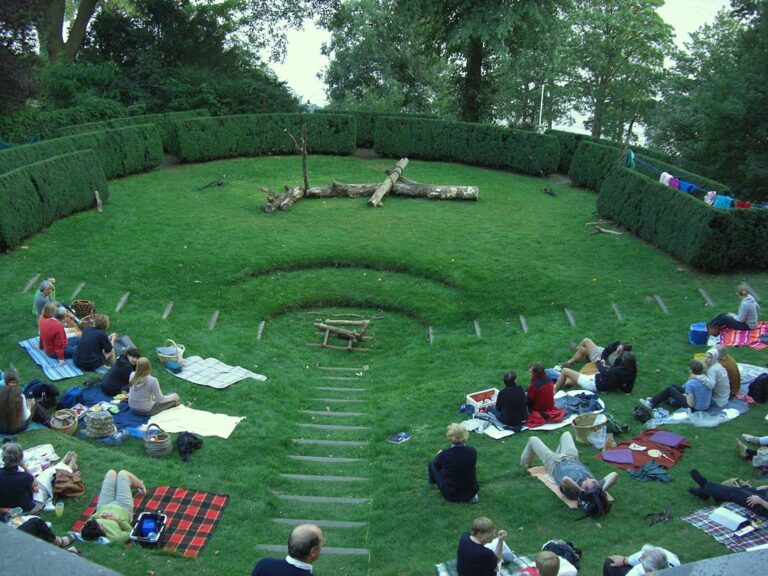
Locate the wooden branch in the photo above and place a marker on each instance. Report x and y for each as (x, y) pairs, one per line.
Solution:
(386, 186)
(599, 230)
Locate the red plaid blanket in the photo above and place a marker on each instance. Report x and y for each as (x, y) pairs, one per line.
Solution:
(192, 516)
(749, 338)
(701, 520)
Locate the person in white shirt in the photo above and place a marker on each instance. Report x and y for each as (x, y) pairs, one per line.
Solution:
(648, 560)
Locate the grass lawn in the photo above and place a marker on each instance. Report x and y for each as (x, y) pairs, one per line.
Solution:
(440, 264)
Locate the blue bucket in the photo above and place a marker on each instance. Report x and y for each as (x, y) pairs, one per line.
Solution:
(698, 334)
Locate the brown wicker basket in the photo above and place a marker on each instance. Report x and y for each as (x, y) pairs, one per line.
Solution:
(83, 308)
(585, 424)
(64, 421)
(177, 356)
(157, 442)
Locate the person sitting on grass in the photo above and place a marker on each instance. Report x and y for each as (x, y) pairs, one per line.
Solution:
(731, 368)
(473, 557)
(587, 348)
(545, 563)
(541, 392)
(46, 294)
(717, 378)
(95, 348)
(744, 319)
(694, 394)
(144, 396)
(114, 508)
(648, 559)
(16, 411)
(17, 485)
(755, 499)
(620, 377)
(53, 336)
(511, 408)
(304, 546)
(454, 469)
(571, 476)
(119, 376)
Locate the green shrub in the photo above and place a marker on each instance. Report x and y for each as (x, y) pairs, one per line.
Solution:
(591, 164)
(201, 139)
(38, 194)
(707, 238)
(702, 182)
(481, 144)
(121, 151)
(165, 123)
(366, 122)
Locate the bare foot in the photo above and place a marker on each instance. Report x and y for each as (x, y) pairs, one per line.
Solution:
(742, 448)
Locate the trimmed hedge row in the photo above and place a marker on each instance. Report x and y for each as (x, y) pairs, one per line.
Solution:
(165, 123)
(201, 139)
(481, 144)
(691, 230)
(366, 122)
(700, 181)
(121, 151)
(36, 195)
(20, 127)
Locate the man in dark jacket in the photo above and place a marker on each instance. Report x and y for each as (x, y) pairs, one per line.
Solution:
(511, 404)
(454, 470)
(116, 380)
(304, 546)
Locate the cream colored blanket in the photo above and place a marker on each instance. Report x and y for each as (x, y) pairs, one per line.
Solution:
(181, 418)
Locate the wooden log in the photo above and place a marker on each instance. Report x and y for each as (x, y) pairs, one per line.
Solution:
(284, 201)
(357, 336)
(407, 189)
(386, 186)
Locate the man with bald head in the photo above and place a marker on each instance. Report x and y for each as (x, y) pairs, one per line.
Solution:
(304, 545)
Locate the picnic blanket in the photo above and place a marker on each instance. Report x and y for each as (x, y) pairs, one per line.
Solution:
(214, 373)
(703, 419)
(181, 418)
(508, 568)
(748, 374)
(122, 419)
(672, 446)
(700, 519)
(750, 338)
(541, 474)
(192, 516)
(50, 365)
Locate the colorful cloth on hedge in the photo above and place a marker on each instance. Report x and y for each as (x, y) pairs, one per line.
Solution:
(122, 419)
(629, 159)
(508, 569)
(536, 419)
(668, 458)
(649, 472)
(710, 197)
(192, 516)
(214, 373)
(751, 338)
(688, 187)
(743, 204)
(723, 201)
(50, 366)
(674, 183)
(665, 178)
(700, 519)
(181, 418)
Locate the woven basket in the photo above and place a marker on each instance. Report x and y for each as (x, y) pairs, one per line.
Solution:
(167, 357)
(83, 308)
(157, 442)
(64, 421)
(86, 321)
(99, 424)
(585, 424)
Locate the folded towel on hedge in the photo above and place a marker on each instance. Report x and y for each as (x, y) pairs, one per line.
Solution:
(200, 422)
(750, 338)
(50, 365)
(214, 373)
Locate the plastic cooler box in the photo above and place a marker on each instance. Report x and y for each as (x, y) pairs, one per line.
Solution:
(697, 335)
(149, 528)
(483, 399)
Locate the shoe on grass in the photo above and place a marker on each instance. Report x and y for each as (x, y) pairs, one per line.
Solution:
(742, 449)
(751, 439)
(698, 478)
(699, 493)
(645, 404)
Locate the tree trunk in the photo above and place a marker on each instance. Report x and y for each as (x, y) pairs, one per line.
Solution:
(284, 201)
(473, 77)
(52, 25)
(384, 189)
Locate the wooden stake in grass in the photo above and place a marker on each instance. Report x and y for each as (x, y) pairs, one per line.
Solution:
(122, 302)
(213, 320)
(99, 205)
(661, 304)
(616, 310)
(167, 311)
(430, 334)
(386, 186)
(260, 331)
(523, 324)
(30, 283)
(77, 290)
(569, 315)
(706, 297)
(477, 328)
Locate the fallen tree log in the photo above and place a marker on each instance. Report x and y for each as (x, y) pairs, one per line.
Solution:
(386, 186)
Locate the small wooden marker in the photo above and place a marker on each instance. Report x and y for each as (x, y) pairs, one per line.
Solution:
(616, 310)
(30, 283)
(122, 301)
(752, 291)
(167, 311)
(77, 290)
(569, 315)
(661, 304)
(706, 297)
(260, 330)
(523, 324)
(477, 328)
(213, 320)
(99, 206)
(430, 334)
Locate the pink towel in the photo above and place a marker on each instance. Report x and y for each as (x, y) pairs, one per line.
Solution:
(674, 183)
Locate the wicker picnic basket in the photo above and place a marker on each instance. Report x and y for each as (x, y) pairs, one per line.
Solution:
(171, 351)
(99, 424)
(83, 308)
(585, 424)
(64, 421)
(157, 442)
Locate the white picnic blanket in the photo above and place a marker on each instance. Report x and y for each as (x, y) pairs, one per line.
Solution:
(181, 418)
(214, 373)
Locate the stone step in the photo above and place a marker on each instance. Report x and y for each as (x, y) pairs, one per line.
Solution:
(334, 427)
(327, 459)
(327, 550)
(323, 499)
(340, 377)
(331, 442)
(332, 413)
(321, 523)
(319, 478)
(337, 400)
(333, 389)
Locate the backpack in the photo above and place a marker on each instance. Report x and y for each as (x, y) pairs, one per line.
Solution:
(45, 394)
(758, 389)
(71, 397)
(188, 443)
(641, 414)
(565, 550)
(614, 426)
(593, 503)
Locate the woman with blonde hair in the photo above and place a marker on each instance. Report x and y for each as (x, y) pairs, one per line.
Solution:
(144, 395)
(16, 411)
(454, 470)
(744, 319)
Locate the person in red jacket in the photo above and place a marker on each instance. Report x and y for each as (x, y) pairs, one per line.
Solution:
(541, 392)
(53, 336)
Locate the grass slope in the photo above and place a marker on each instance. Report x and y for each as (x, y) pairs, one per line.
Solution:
(444, 264)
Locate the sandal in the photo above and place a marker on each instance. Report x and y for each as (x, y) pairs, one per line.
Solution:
(67, 541)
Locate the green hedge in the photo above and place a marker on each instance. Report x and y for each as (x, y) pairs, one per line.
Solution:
(704, 183)
(166, 124)
(121, 151)
(203, 139)
(481, 144)
(366, 122)
(689, 229)
(38, 194)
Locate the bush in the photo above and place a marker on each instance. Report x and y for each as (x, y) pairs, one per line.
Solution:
(120, 151)
(702, 182)
(38, 194)
(689, 229)
(481, 144)
(366, 122)
(164, 122)
(203, 139)
(591, 164)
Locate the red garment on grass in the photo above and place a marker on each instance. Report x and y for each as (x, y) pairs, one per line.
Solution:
(542, 397)
(536, 419)
(53, 337)
(639, 458)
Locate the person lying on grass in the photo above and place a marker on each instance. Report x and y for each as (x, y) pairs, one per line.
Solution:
(620, 377)
(648, 559)
(754, 499)
(759, 456)
(114, 508)
(40, 529)
(454, 470)
(587, 349)
(144, 396)
(694, 394)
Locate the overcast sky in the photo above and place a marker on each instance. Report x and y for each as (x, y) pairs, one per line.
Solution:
(304, 60)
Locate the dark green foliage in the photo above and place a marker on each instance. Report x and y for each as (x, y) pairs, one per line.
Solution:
(704, 183)
(705, 237)
(164, 122)
(36, 195)
(481, 144)
(121, 151)
(203, 139)
(591, 164)
(366, 122)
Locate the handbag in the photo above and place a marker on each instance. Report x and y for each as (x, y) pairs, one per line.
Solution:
(68, 484)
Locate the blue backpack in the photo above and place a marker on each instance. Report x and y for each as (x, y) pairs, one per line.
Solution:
(71, 397)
